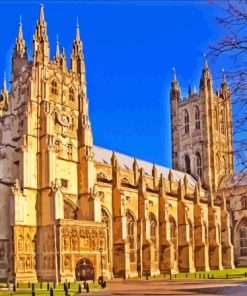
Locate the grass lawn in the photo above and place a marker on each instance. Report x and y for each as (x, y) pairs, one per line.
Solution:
(237, 272)
(23, 289)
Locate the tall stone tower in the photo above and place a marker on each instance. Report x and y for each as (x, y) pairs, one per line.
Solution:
(201, 127)
(46, 165)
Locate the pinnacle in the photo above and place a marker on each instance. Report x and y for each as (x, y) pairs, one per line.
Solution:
(57, 48)
(4, 82)
(77, 36)
(174, 74)
(41, 15)
(205, 62)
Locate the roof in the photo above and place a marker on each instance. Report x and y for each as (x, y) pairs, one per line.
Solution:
(103, 155)
(234, 180)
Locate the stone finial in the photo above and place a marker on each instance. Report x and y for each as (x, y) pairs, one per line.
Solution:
(162, 190)
(114, 159)
(170, 176)
(57, 55)
(186, 182)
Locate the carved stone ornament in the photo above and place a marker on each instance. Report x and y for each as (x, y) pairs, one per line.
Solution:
(64, 119)
(94, 193)
(55, 186)
(16, 188)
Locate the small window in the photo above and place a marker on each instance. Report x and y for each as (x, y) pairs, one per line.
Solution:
(186, 122)
(71, 94)
(222, 122)
(64, 183)
(70, 152)
(197, 118)
(199, 165)
(187, 164)
(54, 87)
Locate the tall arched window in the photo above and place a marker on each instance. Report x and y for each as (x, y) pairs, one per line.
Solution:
(153, 234)
(105, 218)
(131, 235)
(216, 119)
(173, 235)
(187, 164)
(57, 147)
(186, 122)
(205, 232)
(71, 94)
(243, 239)
(70, 151)
(199, 165)
(69, 211)
(197, 118)
(222, 122)
(54, 89)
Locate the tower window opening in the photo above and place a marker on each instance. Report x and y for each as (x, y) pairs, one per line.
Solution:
(70, 151)
(197, 118)
(187, 165)
(54, 89)
(243, 240)
(198, 165)
(186, 122)
(71, 94)
(64, 183)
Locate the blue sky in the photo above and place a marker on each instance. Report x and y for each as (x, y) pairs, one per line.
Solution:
(130, 48)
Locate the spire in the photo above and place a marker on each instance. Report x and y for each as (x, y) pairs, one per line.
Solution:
(206, 76)
(175, 89)
(20, 33)
(174, 74)
(77, 59)
(224, 84)
(20, 49)
(57, 49)
(41, 50)
(4, 82)
(77, 35)
(205, 62)
(41, 14)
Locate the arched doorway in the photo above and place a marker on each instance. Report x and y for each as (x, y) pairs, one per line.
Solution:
(84, 270)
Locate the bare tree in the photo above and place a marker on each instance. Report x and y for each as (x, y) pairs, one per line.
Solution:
(233, 45)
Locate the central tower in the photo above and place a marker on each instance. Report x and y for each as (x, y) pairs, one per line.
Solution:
(202, 130)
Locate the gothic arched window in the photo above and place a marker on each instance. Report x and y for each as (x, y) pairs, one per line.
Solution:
(205, 232)
(71, 94)
(243, 239)
(173, 235)
(70, 152)
(57, 147)
(131, 235)
(186, 122)
(153, 234)
(197, 118)
(199, 165)
(222, 122)
(105, 218)
(69, 211)
(54, 89)
(187, 164)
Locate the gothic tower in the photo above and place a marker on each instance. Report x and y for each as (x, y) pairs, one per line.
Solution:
(202, 130)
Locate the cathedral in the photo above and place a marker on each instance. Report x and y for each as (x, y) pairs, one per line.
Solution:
(70, 210)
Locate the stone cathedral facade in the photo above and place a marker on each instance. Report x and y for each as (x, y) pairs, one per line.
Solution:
(66, 206)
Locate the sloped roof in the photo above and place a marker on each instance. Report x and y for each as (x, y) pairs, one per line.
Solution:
(103, 155)
(234, 180)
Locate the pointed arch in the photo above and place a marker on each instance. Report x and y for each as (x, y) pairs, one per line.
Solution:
(54, 87)
(197, 118)
(71, 94)
(187, 164)
(186, 122)
(70, 210)
(198, 165)
(131, 234)
(106, 218)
